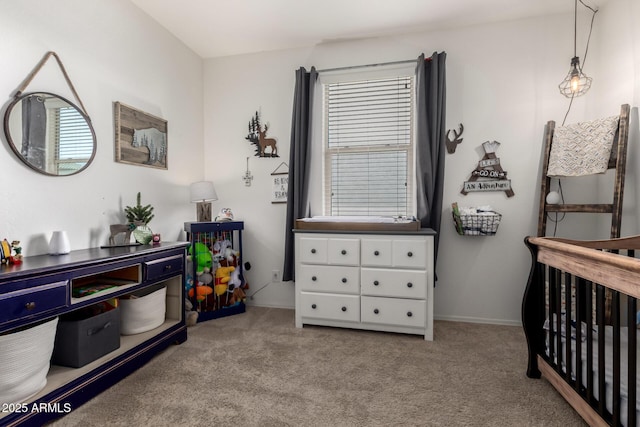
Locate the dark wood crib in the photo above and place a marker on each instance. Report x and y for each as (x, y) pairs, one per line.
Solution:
(579, 314)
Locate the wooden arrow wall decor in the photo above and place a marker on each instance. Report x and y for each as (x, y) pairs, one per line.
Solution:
(488, 175)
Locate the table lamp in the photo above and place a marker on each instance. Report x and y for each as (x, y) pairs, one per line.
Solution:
(202, 193)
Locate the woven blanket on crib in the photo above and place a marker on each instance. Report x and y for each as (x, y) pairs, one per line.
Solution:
(582, 148)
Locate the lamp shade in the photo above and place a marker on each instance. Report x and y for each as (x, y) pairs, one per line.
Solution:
(202, 191)
(576, 83)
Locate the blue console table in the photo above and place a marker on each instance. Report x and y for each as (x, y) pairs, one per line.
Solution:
(42, 288)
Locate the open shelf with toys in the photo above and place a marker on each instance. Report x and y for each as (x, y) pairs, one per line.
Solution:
(215, 282)
(87, 287)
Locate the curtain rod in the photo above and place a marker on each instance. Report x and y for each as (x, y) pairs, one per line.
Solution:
(406, 61)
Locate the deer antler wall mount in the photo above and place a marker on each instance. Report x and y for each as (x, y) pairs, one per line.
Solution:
(452, 144)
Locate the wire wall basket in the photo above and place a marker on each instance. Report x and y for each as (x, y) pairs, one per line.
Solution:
(482, 223)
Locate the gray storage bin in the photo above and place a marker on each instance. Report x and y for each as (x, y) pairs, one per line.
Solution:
(79, 342)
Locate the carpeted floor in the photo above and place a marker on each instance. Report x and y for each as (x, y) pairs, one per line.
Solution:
(257, 369)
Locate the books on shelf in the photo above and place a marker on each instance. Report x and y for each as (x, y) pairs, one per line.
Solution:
(98, 286)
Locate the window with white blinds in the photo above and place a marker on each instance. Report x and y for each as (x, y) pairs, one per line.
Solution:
(368, 128)
(73, 140)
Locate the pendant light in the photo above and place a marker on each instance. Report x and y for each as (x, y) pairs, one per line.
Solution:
(576, 83)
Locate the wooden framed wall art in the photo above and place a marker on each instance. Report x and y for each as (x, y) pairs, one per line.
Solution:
(140, 138)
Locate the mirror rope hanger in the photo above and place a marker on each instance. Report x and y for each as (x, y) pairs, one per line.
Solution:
(38, 67)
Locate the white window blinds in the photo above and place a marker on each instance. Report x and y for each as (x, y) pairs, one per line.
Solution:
(74, 140)
(369, 147)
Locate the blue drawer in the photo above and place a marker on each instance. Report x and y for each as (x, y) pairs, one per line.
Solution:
(31, 301)
(163, 267)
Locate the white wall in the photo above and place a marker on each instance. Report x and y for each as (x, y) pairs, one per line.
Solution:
(234, 89)
(502, 85)
(112, 52)
(618, 82)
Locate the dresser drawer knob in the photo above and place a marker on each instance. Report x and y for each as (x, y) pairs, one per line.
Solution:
(409, 285)
(344, 280)
(313, 251)
(376, 311)
(376, 283)
(313, 306)
(343, 252)
(167, 268)
(409, 314)
(314, 278)
(409, 254)
(30, 305)
(344, 308)
(376, 253)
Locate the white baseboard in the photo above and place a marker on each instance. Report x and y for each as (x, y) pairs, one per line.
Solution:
(267, 305)
(479, 320)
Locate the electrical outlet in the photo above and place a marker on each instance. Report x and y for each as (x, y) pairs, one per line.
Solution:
(275, 275)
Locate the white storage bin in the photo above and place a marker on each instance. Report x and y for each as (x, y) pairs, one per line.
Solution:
(143, 312)
(24, 361)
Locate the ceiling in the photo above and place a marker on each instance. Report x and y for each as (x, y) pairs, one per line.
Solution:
(214, 28)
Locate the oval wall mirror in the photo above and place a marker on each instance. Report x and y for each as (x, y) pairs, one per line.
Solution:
(49, 133)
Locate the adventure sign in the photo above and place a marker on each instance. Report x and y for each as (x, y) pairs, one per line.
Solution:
(488, 175)
(488, 185)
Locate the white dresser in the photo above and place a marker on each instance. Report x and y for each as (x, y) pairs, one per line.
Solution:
(366, 280)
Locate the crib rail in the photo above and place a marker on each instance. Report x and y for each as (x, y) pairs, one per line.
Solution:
(566, 288)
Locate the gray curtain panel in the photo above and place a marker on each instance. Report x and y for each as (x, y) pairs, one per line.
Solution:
(299, 160)
(34, 131)
(431, 136)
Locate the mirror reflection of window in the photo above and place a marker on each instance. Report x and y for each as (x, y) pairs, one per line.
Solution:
(72, 141)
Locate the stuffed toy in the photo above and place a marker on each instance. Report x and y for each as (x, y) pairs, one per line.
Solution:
(203, 258)
(206, 278)
(202, 286)
(230, 258)
(236, 289)
(17, 249)
(188, 281)
(201, 292)
(225, 214)
(238, 296)
(223, 275)
(234, 280)
(217, 247)
(5, 252)
(190, 315)
(224, 253)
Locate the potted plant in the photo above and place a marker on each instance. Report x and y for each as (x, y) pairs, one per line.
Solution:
(140, 216)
